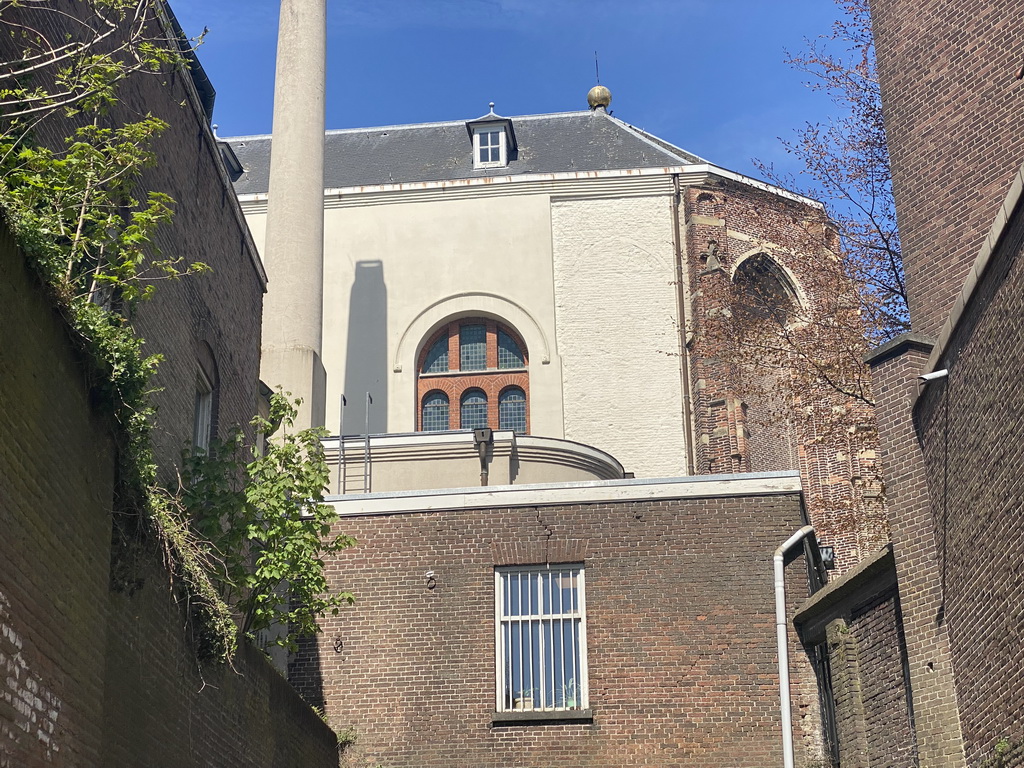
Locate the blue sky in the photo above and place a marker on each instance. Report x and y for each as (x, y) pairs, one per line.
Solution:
(708, 75)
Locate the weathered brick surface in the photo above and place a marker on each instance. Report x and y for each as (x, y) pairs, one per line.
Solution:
(970, 424)
(92, 676)
(885, 724)
(680, 631)
(749, 418)
(952, 111)
(914, 544)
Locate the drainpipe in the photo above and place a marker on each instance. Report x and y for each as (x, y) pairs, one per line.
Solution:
(782, 632)
(483, 439)
(683, 313)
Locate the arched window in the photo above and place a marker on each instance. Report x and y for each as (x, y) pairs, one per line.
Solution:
(473, 356)
(765, 290)
(512, 409)
(435, 412)
(473, 409)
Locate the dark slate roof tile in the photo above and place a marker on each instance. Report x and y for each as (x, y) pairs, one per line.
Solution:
(564, 142)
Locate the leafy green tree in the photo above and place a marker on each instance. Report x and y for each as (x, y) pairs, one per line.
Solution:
(268, 526)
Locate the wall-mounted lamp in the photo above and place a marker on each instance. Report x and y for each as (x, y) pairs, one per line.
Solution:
(431, 581)
(828, 557)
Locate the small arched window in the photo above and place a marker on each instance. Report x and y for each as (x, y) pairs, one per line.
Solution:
(435, 412)
(473, 409)
(512, 409)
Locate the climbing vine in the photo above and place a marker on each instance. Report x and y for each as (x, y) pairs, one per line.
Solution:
(240, 539)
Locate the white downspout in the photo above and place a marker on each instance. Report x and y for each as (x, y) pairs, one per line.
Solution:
(782, 634)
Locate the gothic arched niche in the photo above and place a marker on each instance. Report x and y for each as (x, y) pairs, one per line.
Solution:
(765, 290)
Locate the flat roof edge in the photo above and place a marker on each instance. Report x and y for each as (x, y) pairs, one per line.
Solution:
(557, 494)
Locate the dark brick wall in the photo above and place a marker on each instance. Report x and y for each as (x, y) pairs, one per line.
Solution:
(874, 724)
(222, 309)
(91, 676)
(875, 630)
(970, 424)
(894, 370)
(952, 113)
(680, 621)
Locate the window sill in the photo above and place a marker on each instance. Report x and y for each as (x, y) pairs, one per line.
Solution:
(543, 716)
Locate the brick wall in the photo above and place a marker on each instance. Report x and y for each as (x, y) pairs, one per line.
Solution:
(92, 676)
(758, 410)
(220, 311)
(952, 109)
(680, 632)
(970, 424)
(873, 718)
(893, 369)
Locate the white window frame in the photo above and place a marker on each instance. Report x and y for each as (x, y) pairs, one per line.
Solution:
(576, 680)
(203, 414)
(502, 160)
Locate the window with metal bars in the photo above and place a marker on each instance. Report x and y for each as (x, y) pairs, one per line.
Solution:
(540, 638)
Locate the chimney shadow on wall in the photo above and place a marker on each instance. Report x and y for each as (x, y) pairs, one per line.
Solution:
(366, 361)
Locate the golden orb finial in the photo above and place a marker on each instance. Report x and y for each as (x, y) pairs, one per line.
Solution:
(599, 96)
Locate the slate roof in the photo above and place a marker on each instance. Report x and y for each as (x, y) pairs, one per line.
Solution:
(561, 142)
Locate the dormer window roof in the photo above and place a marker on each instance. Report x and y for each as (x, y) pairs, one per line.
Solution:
(494, 140)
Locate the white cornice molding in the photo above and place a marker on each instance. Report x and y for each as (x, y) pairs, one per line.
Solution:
(632, 182)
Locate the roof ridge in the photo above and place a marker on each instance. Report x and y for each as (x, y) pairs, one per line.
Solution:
(685, 156)
(405, 126)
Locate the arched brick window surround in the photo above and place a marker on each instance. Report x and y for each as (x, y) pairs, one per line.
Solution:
(454, 382)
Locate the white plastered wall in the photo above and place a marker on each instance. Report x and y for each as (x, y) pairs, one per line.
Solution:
(615, 305)
(428, 262)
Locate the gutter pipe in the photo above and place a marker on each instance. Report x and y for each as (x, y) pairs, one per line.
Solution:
(782, 634)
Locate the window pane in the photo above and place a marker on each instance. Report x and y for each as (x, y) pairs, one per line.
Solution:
(473, 409)
(509, 355)
(437, 357)
(435, 412)
(512, 409)
(473, 348)
(540, 646)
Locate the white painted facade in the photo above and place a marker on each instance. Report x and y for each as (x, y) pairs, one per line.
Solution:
(582, 268)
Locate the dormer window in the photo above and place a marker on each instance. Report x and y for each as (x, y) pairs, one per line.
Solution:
(489, 148)
(494, 141)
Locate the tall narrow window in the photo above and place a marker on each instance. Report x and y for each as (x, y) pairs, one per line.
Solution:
(202, 413)
(512, 409)
(435, 412)
(473, 410)
(473, 348)
(540, 638)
